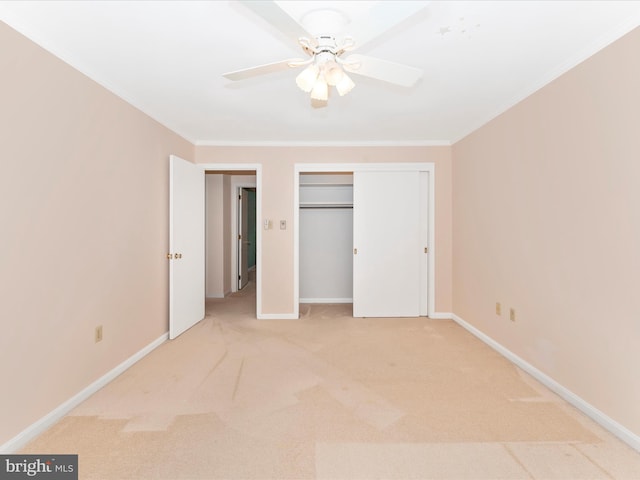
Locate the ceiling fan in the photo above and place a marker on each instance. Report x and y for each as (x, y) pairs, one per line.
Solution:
(325, 36)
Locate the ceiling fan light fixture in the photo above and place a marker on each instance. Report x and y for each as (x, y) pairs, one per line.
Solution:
(320, 90)
(316, 35)
(333, 73)
(345, 85)
(307, 79)
(319, 103)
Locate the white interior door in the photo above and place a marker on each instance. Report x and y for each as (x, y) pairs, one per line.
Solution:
(243, 239)
(186, 245)
(387, 240)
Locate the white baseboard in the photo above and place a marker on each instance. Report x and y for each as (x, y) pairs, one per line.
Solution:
(596, 415)
(326, 300)
(54, 416)
(441, 316)
(277, 316)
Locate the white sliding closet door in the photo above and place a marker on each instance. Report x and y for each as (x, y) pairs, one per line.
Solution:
(388, 246)
(186, 244)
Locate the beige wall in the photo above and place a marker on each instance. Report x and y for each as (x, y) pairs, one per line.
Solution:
(216, 233)
(84, 231)
(277, 204)
(546, 220)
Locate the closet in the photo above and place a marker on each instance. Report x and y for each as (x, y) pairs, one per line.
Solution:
(364, 238)
(326, 237)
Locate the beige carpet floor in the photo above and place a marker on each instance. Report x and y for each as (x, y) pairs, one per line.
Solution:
(330, 397)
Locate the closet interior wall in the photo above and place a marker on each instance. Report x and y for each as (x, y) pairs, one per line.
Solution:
(326, 238)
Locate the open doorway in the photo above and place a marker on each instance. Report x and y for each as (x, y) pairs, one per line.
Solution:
(246, 236)
(189, 232)
(231, 236)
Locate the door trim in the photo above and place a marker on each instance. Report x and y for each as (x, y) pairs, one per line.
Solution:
(216, 167)
(236, 184)
(354, 167)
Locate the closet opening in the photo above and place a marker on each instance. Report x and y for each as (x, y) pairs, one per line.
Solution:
(326, 237)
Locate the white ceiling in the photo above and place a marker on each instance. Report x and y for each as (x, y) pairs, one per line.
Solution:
(167, 58)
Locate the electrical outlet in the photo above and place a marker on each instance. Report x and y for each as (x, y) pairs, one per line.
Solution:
(512, 314)
(498, 308)
(98, 336)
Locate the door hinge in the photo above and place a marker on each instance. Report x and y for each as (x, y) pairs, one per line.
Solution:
(239, 237)
(426, 249)
(239, 277)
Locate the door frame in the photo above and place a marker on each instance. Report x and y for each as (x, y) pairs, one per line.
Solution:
(354, 167)
(248, 167)
(243, 205)
(236, 185)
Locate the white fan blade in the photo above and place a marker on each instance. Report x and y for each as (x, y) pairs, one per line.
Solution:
(395, 73)
(260, 70)
(381, 17)
(276, 16)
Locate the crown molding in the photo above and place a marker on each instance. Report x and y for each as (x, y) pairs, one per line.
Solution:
(319, 143)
